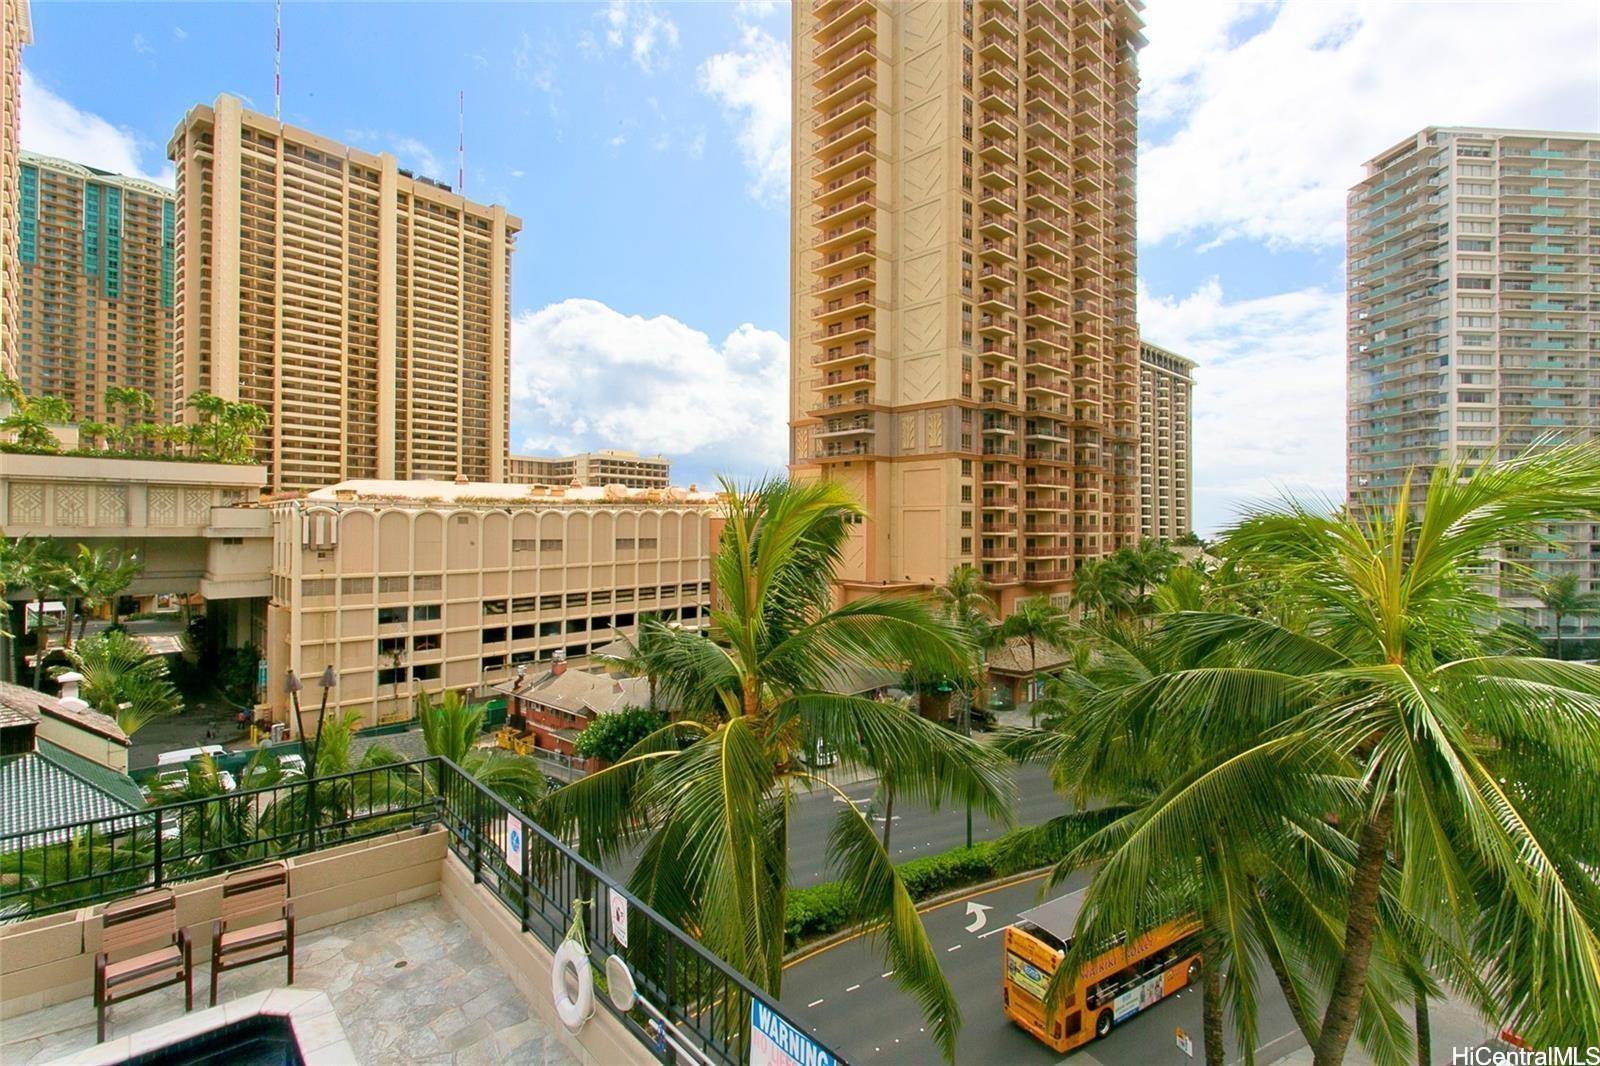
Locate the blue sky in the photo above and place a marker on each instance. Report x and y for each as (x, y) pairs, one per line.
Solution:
(645, 147)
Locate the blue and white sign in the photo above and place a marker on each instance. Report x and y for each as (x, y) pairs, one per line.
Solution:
(774, 1042)
(514, 841)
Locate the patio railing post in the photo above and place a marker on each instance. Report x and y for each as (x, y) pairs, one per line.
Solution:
(477, 835)
(157, 850)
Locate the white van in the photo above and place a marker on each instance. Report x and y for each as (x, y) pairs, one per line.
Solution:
(181, 756)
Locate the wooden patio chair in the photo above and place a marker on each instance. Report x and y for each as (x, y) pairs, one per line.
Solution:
(257, 921)
(130, 927)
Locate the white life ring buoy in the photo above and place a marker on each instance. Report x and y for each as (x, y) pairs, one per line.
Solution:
(574, 1008)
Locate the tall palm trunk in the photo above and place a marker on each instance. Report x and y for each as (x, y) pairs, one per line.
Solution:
(1033, 682)
(1360, 930)
(41, 643)
(888, 816)
(72, 616)
(1424, 1025)
(1291, 994)
(1211, 1003)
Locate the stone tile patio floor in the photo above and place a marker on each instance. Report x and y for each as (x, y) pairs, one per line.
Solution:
(410, 985)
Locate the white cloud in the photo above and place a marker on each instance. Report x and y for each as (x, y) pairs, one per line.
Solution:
(637, 25)
(585, 376)
(142, 46)
(752, 85)
(180, 33)
(53, 126)
(759, 9)
(1260, 137)
(1269, 393)
(417, 157)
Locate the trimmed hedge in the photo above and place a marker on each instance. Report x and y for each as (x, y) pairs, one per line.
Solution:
(816, 911)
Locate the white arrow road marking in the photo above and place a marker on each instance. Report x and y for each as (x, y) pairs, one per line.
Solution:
(979, 913)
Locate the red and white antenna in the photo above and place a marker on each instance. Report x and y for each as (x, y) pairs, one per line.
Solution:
(461, 142)
(277, 62)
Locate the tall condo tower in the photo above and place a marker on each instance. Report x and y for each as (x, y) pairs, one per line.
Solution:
(365, 307)
(96, 265)
(965, 351)
(15, 31)
(1474, 326)
(1166, 474)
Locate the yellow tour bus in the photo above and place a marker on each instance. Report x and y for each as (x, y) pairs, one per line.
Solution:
(1111, 987)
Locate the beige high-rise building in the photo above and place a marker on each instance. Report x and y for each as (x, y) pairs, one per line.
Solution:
(600, 468)
(96, 273)
(365, 307)
(1166, 409)
(16, 30)
(966, 356)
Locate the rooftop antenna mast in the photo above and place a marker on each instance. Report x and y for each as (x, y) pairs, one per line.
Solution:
(277, 62)
(461, 142)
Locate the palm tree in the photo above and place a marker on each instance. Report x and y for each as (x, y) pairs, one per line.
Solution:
(1145, 565)
(966, 600)
(48, 572)
(451, 728)
(31, 417)
(642, 654)
(1473, 775)
(719, 794)
(1035, 619)
(1259, 881)
(1562, 598)
(133, 403)
(1100, 586)
(123, 680)
(94, 577)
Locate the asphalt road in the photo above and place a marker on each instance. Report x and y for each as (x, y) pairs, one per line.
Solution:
(843, 995)
(916, 831)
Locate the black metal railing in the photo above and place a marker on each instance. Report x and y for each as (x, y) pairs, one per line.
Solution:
(705, 1000)
(75, 864)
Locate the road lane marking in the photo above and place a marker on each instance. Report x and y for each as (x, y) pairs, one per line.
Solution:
(888, 974)
(953, 947)
(978, 890)
(813, 1003)
(992, 932)
(852, 988)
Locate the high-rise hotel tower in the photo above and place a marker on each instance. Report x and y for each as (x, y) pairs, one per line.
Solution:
(365, 307)
(95, 261)
(1474, 319)
(15, 31)
(965, 351)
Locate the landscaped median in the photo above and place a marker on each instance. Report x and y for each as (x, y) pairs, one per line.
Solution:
(820, 910)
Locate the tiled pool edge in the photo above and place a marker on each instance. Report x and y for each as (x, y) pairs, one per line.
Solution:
(317, 1029)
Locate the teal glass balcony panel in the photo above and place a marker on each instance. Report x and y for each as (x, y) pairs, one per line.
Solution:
(1549, 305)
(1546, 553)
(1549, 286)
(1548, 268)
(1547, 153)
(1548, 190)
(1547, 212)
(1546, 420)
(1554, 346)
(1544, 230)
(1547, 324)
(1553, 249)
(1550, 383)
(1552, 364)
